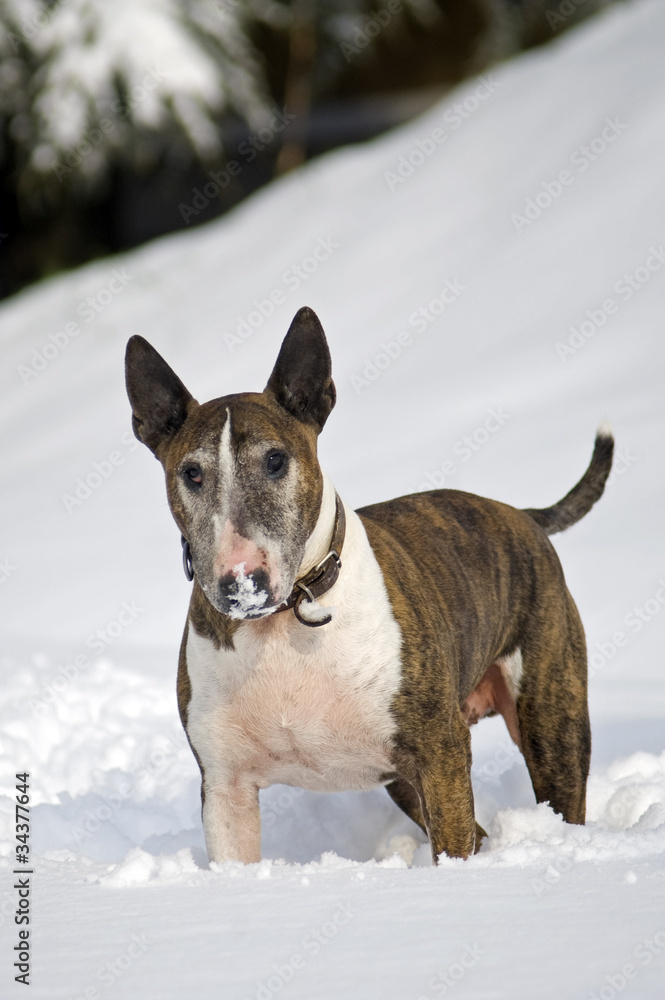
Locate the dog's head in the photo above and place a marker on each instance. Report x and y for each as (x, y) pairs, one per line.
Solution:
(242, 475)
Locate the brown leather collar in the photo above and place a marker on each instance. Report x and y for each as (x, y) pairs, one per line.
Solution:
(323, 576)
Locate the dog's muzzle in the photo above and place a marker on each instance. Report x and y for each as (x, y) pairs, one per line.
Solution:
(241, 595)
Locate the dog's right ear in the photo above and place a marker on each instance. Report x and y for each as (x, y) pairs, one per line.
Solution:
(160, 401)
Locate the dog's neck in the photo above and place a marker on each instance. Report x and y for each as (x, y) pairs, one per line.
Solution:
(318, 543)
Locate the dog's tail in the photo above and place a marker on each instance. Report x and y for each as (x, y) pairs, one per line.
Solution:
(582, 497)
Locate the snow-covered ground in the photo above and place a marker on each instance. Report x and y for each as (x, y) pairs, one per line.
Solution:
(501, 255)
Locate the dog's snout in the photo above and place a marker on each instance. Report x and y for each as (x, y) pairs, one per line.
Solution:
(245, 595)
(258, 578)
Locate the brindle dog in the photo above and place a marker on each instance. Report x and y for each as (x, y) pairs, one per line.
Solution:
(438, 609)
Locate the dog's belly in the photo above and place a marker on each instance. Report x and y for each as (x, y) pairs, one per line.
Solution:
(295, 707)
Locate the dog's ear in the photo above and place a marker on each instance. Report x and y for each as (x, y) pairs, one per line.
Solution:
(159, 399)
(301, 380)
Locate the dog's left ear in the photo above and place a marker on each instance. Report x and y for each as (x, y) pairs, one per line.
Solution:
(301, 380)
(160, 402)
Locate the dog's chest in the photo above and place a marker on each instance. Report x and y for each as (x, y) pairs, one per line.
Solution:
(297, 706)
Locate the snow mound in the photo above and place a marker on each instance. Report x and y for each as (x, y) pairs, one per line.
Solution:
(139, 868)
(136, 805)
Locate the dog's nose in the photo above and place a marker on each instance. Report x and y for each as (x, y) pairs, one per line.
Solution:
(245, 595)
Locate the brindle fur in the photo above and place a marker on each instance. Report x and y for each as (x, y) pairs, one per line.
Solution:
(469, 580)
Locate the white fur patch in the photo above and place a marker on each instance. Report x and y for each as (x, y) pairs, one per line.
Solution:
(299, 706)
(511, 667)
(226, 462)
(226, 470)
(317, 544)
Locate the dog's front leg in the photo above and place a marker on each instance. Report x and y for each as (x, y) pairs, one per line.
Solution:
(446, 795)
(231, 822)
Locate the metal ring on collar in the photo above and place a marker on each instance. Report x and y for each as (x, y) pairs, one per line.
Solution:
(188, 566)
(305, 591)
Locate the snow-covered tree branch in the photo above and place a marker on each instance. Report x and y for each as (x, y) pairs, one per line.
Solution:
(85, 80)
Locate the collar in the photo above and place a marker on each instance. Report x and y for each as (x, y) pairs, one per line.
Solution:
(320, 579)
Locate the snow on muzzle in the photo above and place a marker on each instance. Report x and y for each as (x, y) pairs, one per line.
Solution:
(246, 595)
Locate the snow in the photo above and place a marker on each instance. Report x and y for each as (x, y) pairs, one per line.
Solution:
(464, 351)
(312, 611)
(173, 63)
(247, 600)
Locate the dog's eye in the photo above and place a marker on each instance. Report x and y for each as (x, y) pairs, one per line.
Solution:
(276, 464)
(193, 475)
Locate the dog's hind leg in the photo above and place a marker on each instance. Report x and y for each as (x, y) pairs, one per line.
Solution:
(406, 797)
(553, 712)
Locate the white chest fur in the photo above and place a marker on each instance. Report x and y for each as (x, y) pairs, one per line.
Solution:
(297, 705)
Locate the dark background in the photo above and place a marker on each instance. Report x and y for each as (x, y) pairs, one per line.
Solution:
(345, 71)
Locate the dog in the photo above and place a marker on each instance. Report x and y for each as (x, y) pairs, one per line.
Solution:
(337, 650)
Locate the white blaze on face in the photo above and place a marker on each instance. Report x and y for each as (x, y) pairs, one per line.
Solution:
(237, 555)
(226, 463)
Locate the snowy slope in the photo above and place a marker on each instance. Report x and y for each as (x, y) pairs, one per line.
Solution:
(502, 253)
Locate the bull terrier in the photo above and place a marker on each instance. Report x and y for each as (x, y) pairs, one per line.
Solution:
(334, 649)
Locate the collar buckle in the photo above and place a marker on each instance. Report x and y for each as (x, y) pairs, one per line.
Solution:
(331, 555)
